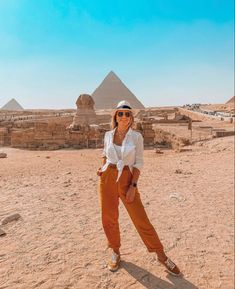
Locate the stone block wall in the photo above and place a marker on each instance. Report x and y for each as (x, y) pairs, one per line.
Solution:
(54, 134)
(146, 129)
(222, 133)
(51, 136)
(5, 136)
(148, 133)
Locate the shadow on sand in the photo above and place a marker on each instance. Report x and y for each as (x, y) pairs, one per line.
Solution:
(150, 281)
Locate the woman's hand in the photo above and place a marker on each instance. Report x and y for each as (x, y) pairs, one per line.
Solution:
(99, 172)
(130, 195)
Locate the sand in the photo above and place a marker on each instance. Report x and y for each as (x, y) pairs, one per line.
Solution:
(58, 242)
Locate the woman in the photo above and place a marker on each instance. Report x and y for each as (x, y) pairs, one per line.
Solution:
(119, 174)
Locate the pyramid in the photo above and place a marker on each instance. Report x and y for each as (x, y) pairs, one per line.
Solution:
(231, 100)
(12, 105)
(111, 91)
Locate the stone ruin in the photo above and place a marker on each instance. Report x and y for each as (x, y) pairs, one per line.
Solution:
(85, 114)
(83, 128)
(79, 129)
(159, 138)
(146, 129)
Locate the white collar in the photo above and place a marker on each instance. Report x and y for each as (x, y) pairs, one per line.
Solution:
(128, 132)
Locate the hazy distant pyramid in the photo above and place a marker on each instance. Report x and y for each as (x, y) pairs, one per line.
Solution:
(111, 91)
(231, 100)
(12, 105)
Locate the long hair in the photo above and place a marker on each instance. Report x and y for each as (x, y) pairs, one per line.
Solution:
(114, 122)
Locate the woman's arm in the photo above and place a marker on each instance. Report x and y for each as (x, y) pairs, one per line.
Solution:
(104, 161)
(139, 153)
(130, 195)
(99, 173)
(104, 158)
(135, 175)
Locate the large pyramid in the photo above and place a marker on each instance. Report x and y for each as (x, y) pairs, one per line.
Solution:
(231, 100)
(111, 91)
(12, 105)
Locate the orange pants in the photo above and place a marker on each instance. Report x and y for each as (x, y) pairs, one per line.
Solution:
(110, 192)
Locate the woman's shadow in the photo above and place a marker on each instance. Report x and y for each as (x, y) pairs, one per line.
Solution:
(150, 281)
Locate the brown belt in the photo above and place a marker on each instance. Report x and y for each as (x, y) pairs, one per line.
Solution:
(115, 167)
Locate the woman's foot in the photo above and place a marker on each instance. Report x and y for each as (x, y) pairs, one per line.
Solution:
(114, 263)
(169, 264)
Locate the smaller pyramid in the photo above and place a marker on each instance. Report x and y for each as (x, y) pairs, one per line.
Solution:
(12, 105)
(231, 100)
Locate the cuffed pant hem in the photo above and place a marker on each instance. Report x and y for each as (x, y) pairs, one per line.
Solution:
(114, 248)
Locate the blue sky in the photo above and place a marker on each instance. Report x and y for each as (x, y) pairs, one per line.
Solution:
(166, 52)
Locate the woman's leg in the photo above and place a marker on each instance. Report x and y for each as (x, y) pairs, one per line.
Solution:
(109, 200)
(145, 229)
(138, 215)
(141, 221)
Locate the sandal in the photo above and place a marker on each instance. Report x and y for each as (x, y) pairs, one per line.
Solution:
(171, 267)
(113, 264)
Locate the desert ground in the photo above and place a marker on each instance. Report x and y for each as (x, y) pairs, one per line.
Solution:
(58, 242)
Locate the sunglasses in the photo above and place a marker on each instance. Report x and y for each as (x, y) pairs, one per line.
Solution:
(120, 114)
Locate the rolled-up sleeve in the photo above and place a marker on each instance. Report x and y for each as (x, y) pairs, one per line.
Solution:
(105, 146)
(139, 158)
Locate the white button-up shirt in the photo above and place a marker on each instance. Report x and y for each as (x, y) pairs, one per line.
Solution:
(131, 151)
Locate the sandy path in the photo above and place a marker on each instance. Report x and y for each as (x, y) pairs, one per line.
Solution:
(59, 241)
